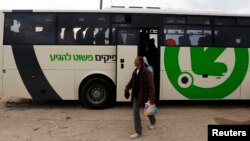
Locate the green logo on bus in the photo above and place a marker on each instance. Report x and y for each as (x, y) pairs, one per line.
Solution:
(204, 65)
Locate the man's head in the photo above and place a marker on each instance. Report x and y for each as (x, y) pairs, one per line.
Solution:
(138, 61)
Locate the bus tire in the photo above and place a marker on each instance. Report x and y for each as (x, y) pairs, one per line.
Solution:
(95, 93)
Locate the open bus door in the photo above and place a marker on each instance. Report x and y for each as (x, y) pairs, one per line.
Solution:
(127, 50)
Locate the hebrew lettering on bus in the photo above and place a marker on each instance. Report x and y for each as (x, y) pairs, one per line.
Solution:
(82, 57)
(70, 57)
(105, 58)
(60, 57)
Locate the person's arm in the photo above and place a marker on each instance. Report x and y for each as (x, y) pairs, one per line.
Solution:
(129, 85)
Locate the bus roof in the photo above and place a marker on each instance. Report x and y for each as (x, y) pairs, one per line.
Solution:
(140, 10)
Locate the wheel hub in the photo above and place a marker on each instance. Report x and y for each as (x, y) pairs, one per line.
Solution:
(96, 94)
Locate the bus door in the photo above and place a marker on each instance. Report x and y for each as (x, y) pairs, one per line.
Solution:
(127, 50)
(149, 48)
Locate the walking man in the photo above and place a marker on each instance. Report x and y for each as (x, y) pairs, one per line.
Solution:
(143, 90)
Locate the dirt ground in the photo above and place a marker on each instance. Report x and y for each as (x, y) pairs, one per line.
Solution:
(29, 120)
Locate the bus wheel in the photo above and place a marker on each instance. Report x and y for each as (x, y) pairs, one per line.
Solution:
(95, 93)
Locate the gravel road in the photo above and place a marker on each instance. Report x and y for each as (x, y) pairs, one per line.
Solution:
(29, 120)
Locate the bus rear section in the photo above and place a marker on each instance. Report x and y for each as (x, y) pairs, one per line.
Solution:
(205, 58)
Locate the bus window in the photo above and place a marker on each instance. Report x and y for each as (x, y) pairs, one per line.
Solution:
(205, 40)
(172, 33)
(232, 36)
(175, 20)
(128, 37)
(224, 21)
(200, 36)
(68, 35)
(100, 36)
(184, 40)
(114, 30)
(188, 35)
(29, 29)
(88, 29)
(228, 35)
(89, 36)
(191, 20)
(243, 21)
(122, 19)
(80, 35)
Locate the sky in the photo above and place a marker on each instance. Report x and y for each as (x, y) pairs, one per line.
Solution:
(230, 6)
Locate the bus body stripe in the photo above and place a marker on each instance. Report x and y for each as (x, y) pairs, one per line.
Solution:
(31, 73)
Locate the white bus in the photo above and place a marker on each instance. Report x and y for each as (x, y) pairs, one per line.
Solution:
(88, 55)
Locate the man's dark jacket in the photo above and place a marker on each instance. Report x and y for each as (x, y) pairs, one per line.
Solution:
(144, 86)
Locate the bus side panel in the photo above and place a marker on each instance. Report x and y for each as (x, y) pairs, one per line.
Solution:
(188, 84)
(12, 82)
(126, 55)
(1, 51)
(245, 89)
(62, 81)
(85, 57)
(65, 67)
(13, 85)
(167, 90)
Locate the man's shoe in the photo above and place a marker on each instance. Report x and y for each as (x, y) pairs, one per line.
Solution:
(135, 136)
(151, 127)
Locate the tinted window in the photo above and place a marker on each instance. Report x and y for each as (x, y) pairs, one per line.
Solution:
(224, 21)
(29, 28)
(121, 18)
(188, 35)
(128, 37)
(114, 30)
(232, 36)
(175, 20)
(87, 29)
(198, 20)
(243, 21)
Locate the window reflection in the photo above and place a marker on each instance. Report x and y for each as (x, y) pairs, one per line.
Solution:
(188, 35)
(83, 29)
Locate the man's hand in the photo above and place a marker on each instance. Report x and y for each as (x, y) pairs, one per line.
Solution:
(126, 94)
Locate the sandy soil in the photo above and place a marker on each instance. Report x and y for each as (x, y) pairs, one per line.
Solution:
(29, 120)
